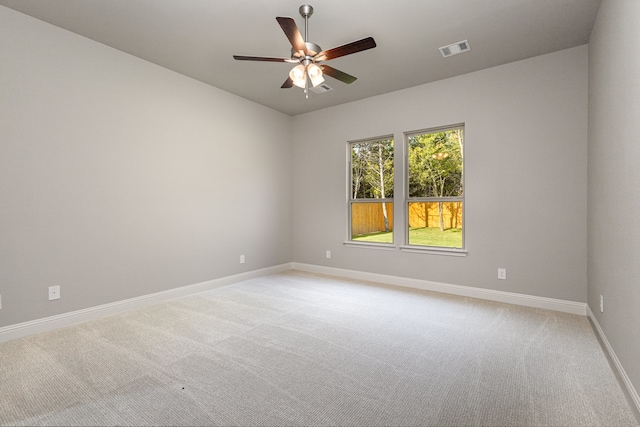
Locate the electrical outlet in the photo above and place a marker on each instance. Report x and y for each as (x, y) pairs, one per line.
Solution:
(601, 304)
(328, 254)
(241, 259)
(54, 292)
(502, 273)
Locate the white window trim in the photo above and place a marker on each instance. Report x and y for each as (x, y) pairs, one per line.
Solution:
(434, 250)
(370, 245)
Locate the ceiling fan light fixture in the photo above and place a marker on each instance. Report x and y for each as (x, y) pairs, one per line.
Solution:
(298, 75)
(315, 74)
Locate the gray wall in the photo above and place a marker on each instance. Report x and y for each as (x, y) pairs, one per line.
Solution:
(525, 175)
(614, 175)
(119, 178)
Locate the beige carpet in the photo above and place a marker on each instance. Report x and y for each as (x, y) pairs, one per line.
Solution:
(301, 349)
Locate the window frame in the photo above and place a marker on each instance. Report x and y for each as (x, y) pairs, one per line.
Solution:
(350, 200)
(438, 250)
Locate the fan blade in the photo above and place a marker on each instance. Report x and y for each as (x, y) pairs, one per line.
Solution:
(293, 34)
(262, 58)
(338, 75)
(347, 49)
(287, 84)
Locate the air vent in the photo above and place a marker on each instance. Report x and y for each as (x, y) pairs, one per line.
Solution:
(321, 88)
(455, 48)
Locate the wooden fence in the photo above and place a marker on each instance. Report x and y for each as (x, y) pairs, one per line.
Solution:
(425, 214)
(368, 218)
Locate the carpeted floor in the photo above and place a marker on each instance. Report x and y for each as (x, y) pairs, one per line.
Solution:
(302, 349)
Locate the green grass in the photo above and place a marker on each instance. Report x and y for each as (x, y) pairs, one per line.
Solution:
(428, 236)
(381, 237)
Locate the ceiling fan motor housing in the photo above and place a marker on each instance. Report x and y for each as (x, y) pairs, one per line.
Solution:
(312, 50)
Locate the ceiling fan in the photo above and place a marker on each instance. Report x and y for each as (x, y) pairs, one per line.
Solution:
(309, 55)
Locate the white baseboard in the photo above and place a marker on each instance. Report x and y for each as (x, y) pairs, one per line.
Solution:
(71, 318)
(625, 378)
(66, 319)
(467, 291)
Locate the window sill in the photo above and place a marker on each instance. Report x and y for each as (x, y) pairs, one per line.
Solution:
(434, 251)
(369, 245)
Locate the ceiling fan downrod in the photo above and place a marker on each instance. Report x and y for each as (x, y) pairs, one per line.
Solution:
(306, 11)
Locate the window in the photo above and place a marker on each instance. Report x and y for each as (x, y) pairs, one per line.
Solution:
(435, 187)
(371, 191)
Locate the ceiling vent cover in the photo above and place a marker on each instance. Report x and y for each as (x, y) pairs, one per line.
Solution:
(455, 49)
(321, 88)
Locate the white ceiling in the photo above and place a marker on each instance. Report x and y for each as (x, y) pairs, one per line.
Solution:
(197, 38)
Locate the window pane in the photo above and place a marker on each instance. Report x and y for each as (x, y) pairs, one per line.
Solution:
(435, 164)
(435, 177)
(372, 169)
(371, 180)
(372, 222)
(435, 224)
